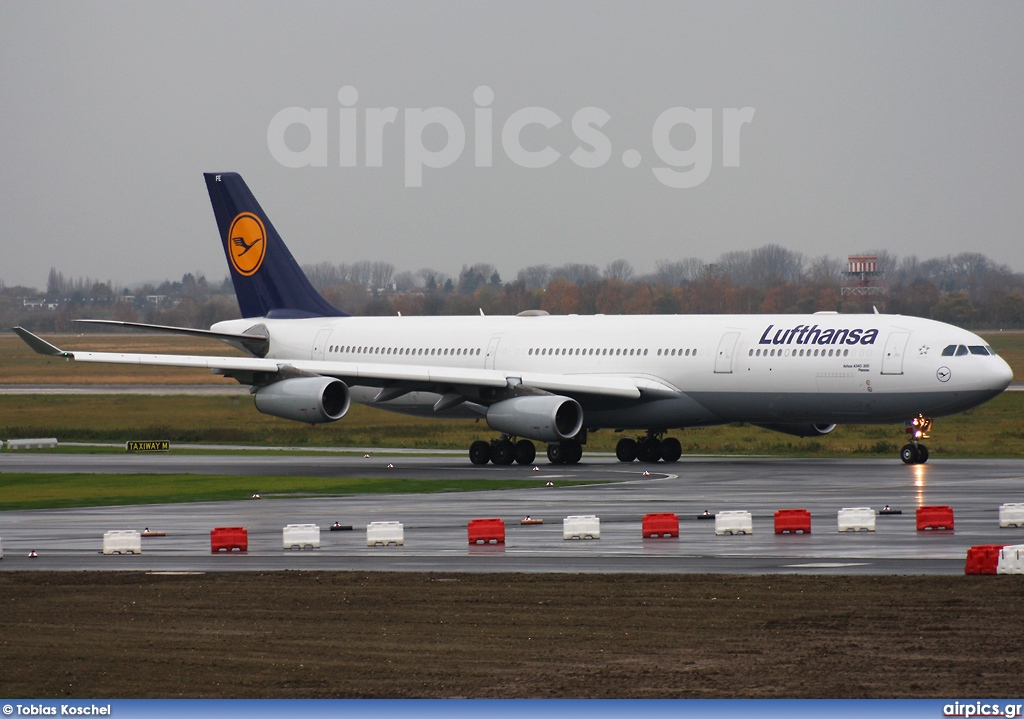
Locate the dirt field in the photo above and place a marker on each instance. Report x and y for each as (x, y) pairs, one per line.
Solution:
(295, 634)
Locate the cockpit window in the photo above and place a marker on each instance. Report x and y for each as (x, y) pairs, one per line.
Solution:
(949, 350)
(978, 350)
(961, 350)
(990, 350)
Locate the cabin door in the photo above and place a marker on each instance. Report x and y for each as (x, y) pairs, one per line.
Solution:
(726, 348)
(320, 344)
(895, 346)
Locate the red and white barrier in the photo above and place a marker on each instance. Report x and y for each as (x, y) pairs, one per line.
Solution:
(792, 521)
(486, 530)
(983, 559)
(938, 517)
(660, 524)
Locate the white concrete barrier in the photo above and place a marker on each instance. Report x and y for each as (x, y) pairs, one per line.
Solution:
(581, 526)
(1011, 560)
(298, 536)
(122, 541)
(856, 519)
(1011, 514)
(41, 443)
(385, 533)
(734, 522)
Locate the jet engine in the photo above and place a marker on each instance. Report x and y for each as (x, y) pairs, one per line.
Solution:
(800, 429)
(547, 418)
(305, 399)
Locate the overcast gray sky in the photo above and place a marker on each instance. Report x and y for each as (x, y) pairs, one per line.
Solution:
(875, 125)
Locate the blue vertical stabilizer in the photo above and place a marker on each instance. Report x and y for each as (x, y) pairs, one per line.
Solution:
(268, 281)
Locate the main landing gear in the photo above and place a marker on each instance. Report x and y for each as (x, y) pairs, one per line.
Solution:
(914, 452)
(651, 448)
(502, 451)
(505, 451)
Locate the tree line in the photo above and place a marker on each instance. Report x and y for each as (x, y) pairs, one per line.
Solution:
(967, 289)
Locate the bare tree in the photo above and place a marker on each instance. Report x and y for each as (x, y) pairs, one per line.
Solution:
(534, 277)
(619, 270)
(380, 275)
(826, 269)
(678, 273)
(576, 273)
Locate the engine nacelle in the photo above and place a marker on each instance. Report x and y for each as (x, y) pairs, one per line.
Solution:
(800, 429)
(548, 418)
(305, 399)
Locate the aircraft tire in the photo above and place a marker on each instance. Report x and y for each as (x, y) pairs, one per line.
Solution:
(625, 450)
(556, 454)
(922, 454)
(573, 451)
(503, 453)
(525, 451)
(649, 450)
(480, 452)
(909, 454)
(671, 449)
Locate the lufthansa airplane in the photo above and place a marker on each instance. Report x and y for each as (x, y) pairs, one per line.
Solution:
(534, 377)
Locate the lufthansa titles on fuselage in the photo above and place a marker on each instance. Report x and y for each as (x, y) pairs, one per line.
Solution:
(814, 335)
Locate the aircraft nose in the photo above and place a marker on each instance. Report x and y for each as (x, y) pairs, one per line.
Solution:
(1002, 374)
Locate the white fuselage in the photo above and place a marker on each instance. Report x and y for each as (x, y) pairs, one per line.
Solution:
(822, 368)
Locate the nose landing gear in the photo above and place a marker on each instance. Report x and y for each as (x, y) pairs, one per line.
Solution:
(914, 452)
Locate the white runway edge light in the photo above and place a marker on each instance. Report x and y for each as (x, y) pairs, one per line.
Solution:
(385, 533)
(1011, 514)
(122, 541)
(581, 526)
(300, 536)
(734, 522)
(854, 519)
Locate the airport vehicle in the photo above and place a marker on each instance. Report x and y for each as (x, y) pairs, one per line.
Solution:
(554, 379)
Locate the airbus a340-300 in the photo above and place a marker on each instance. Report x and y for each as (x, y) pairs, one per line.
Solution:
(553, 379)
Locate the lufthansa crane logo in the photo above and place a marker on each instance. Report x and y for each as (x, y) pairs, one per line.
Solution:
(247, 243)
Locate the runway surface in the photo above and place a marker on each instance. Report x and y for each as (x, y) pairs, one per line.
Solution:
(435, 524)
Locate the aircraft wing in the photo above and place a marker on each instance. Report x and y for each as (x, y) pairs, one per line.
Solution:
(424, 377)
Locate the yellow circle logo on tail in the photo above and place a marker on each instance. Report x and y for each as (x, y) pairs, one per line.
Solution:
(247, 243)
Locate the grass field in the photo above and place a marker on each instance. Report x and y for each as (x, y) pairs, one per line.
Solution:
(57, 491)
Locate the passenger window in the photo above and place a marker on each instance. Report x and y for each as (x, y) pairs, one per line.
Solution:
(961, 350)
(948, 350)
(978, 350)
